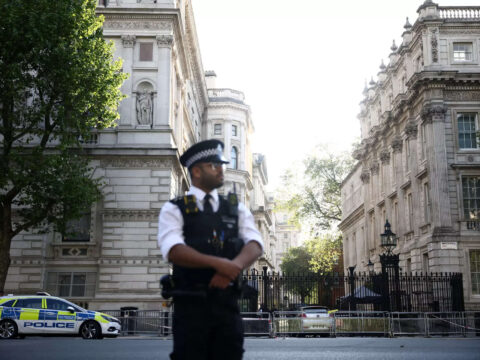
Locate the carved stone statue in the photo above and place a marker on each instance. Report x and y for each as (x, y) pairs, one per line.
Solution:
(144, 108)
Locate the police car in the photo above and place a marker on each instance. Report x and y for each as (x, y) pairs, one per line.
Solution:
(43, 314)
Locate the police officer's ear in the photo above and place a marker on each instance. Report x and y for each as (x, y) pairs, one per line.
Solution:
(195, 171)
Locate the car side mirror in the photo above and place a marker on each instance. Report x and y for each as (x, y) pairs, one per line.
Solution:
(71, 309)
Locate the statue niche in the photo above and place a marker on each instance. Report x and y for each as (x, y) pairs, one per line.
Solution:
(144, 105)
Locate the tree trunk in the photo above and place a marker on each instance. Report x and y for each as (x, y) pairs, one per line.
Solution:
(6, 236)
(4, 259)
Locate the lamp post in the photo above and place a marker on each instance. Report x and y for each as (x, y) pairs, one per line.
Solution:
(389, 239)
(371, 267)
(389, 263)
(388, 242)
(351, 280)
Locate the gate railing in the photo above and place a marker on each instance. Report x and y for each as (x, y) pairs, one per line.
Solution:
(418, 292)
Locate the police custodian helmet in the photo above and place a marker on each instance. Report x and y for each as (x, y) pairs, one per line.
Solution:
(204, 151)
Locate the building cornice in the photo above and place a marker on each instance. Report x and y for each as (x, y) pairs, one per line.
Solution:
(354, 216)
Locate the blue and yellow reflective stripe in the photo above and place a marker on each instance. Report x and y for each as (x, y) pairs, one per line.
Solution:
(65, 315)
(11, 313)
(48, 314)
(29, 314)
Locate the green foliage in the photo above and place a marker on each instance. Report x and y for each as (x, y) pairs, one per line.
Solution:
(297, 260)
(311, 192)
(58, 82)
(325, 252)
(317, 255)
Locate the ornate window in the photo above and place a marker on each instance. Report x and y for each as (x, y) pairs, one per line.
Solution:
(471, 197)
(234, 158)
(71, 284)
(217, 129)
(234, 130)
(475, 271)
(462, 51)
(467, 130)
(78, 230)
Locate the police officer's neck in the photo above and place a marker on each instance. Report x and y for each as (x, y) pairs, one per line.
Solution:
(205, 189)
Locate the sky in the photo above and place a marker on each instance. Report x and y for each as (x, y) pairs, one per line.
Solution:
(302, 65)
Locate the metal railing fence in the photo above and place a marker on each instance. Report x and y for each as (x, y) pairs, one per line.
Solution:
(143, 322)
(361, 323)
(408, 324)
(392, 292)
(339, 323)
(257, 323)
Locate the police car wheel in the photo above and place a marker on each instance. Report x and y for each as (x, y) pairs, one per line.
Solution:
(91, 330)
(8, 329)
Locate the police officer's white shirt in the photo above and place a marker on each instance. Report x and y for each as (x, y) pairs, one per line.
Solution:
(170, 222)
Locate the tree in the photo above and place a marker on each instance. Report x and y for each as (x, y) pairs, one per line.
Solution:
(312, 192)
(316, 256)
(325, 251)
(58, 81)
(297, 263)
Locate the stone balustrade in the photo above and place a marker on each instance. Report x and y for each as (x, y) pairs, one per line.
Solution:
(459, 12)
(226, 93)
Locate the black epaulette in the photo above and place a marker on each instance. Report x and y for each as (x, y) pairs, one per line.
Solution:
(232, 204)
(187, 203)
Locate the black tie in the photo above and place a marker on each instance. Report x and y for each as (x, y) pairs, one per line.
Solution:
(207, 206)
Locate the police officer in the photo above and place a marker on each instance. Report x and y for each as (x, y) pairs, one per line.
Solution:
(209, 239)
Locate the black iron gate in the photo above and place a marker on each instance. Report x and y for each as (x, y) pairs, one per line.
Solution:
(355, 291)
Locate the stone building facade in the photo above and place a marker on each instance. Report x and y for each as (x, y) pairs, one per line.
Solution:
(262, 209)
(229, 120)
(419, 159)
(114, 261)
(288, 236)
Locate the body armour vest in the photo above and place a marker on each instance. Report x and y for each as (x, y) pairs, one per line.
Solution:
(212, 234)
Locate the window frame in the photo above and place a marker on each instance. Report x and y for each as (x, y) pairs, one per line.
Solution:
(74, 222)
(462, 198)
(216, 127)
(470, 272)
(234, 130)
(89, 288)
(473, 53)
(456, 114)
(234, 165)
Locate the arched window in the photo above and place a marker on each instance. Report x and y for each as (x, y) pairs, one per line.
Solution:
(234, 158)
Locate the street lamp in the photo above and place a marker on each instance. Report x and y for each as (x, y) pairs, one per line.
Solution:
(389, 263)
(370, 266)
(389, 239)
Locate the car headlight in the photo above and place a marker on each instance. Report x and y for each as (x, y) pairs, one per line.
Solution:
(110, 319)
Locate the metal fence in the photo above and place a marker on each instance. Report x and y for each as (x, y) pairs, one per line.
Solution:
(340, 323)
(429, 292)
(257, 324)
(143, 322)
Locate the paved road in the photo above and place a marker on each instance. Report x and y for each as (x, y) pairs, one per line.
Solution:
(37, 348)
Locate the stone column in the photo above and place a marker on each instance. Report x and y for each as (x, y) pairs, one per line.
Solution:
(397, 146)
(127, 106)
(365, 178)
(434, 118)
(411, 132)
(164, 80)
